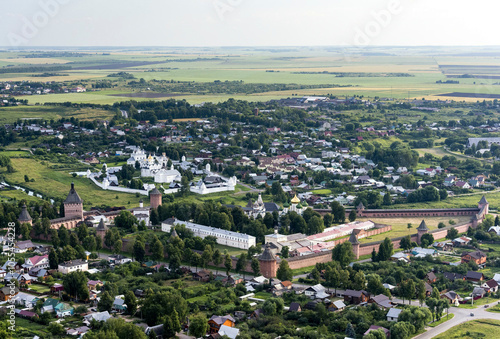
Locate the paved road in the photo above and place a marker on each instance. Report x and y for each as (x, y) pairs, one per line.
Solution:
(461, 315)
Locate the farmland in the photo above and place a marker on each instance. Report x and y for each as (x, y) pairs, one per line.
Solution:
(365, 74)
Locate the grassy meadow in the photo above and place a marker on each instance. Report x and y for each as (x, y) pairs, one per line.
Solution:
(485, 328)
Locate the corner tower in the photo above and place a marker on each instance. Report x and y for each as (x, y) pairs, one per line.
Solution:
(421, 230)
(73, 205)
(267, 262)
(155, 198)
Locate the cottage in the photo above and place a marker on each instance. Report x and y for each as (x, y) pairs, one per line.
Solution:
(294, 307)
(381, 300)
(478, 292)
(393, 314)
(474, 276)
(431, 277)
(203, 275)
(453, 276)
(355, 297)
(478, 257)
(490, 286)
(215, 322)
(336, 306)
(8, 292)
(316, 292)
(119, 305)
(452, 296)
(97, 316)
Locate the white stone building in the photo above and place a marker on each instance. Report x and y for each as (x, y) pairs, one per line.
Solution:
(72, 266)
(224, 237)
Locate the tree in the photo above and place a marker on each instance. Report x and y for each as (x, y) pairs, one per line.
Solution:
(405, 243)
(168, 329)
(409, 226)
(131, 302)
(89, 243)
(241, 263)
(374, 285)
(402, 330)
(349, 331)
(216, 259)
(105, 303)
(198, 326)
(338, 212)
(408, 289)
(176, 325)
(417, 316)
(75, 284)
(426, 240)
(56, 329)
(125, 220)
(386, 250)
(53, 259)
(452, 233)
(441, 225)
(117, 246)
(421, 292)
(284, 271)
(343, 254)
(139, 250)
(255, 266)
(273, 306)
(359, 282)
(352, 215)
(284, 252)
(435, 293)
(228, 264)
(82, 231)
(155, 217)
(55, 238)
(387, 199)
(156, 249)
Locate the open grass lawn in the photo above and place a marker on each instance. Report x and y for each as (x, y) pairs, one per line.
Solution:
(486, 328)
(56, 184)
(230, 250)
(464, 201)
(263, 295)
(322, 192)
(443, 319)
(494, 309)
(400, 225)
(39, 288)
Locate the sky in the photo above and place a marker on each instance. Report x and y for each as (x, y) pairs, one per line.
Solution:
(248, 23)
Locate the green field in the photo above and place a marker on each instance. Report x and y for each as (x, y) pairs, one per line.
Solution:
(486, 328)
(12, 114)
(400, 225)
(55, 183)
(369, 75)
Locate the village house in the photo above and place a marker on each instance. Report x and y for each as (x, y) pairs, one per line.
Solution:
(6, 293)
(355, 297)
(215, 322)
(490, 286)
(474, 276)
(452, 297)
(72, 266)
(478, 257)
(393, 314)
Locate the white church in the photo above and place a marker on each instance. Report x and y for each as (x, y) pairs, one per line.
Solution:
(154, 166)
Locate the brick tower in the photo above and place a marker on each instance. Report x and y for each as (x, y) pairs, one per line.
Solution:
(73, 205)
(155, 198)
(101, 230)
(25, 217)
(421, 230)
(353, 239)
(267, 262)
(483, 203)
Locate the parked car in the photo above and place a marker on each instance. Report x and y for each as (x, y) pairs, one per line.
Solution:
(472, 314)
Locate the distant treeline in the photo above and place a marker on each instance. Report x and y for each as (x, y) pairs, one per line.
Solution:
(226, 87)
(360, 74)
(46, 75)
(447, 82)
(34, 69)
(56, 55)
